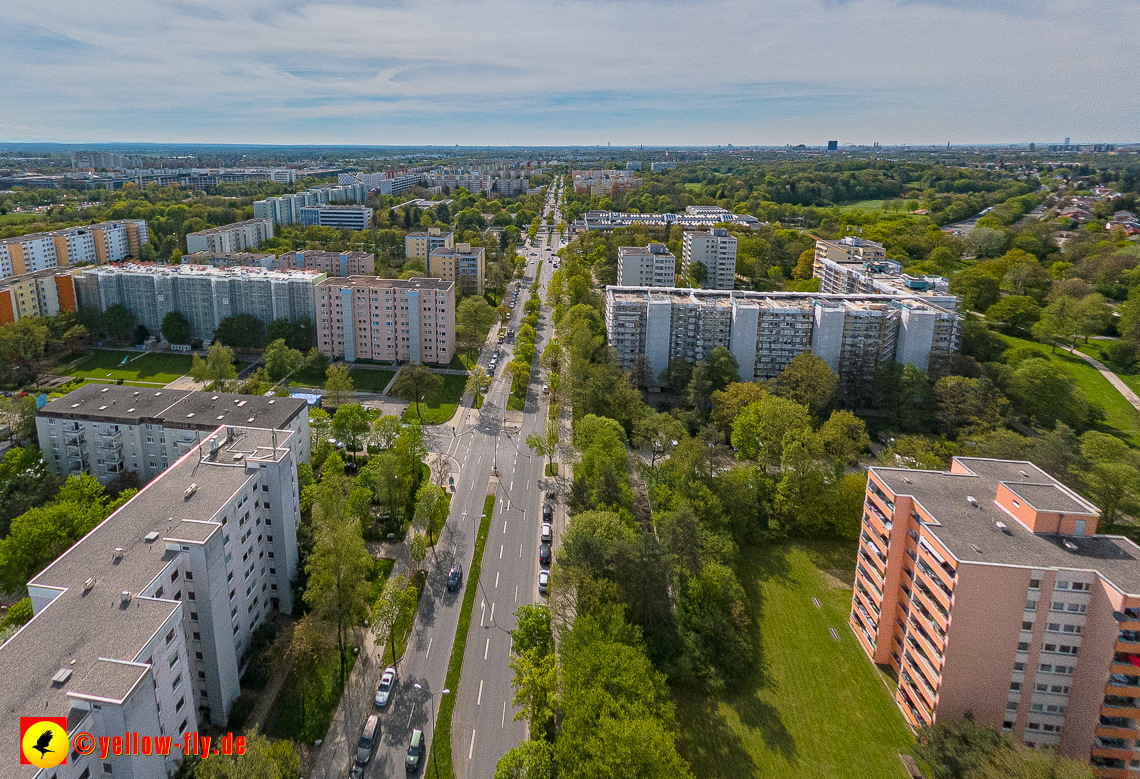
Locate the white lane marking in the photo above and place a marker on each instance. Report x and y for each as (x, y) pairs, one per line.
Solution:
(482, 612)
(500, 551)
(512, 488)
(487, 649)
(508, 503)
(528, 484)
(500, 508)
(410, 713)
(504, 527)
(496, 584)
(492, 612)
(479, 700)
(471, 750)
(520, 550)
(428, 652)
(516, 593)
(503, 724)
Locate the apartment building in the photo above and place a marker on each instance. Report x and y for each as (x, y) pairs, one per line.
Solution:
(604, 183)
(851, 274)
(107, 429)
(715, 249)
(464, 264)
(420, 245)
(987, 589)
(646, 266)
(236, 237)
(330, 263)
(356, 218)
(391, 320)
(43, 293)
(205, 295)
(230, 259)
(694, 218)
(855, 334)
(90, 244)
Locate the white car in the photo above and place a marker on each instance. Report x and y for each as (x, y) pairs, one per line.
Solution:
(387, 682)
(543, 581)
(547, 533)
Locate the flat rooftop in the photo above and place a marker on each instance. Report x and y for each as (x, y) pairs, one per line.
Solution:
(419, 282)
(187, 270)
(970, 534)
(92, 633)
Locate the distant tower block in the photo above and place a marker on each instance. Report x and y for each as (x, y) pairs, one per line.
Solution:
(1067, 139)
(833, 145)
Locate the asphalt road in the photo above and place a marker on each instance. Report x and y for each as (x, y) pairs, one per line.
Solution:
(473, 442)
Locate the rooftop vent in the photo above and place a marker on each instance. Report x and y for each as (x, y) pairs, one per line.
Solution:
(1024, 474)
(75, 405)
(87, 585)
(1070, 546)
(151, 537)
(190, 491)
(61, 676)
(117, 555)
(972, 500)
(214, 398)
(1003, 528)
(238, 456)
(105, 389)
(125, 597)
(136, 394)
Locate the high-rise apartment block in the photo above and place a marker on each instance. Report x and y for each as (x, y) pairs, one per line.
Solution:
(236, 237)
(987, 589)
(205, 295)
(853, 266)
(646, 266)
(420, 245)
(103, 242)
(694, 218)
(855, 334)
(715, 249)
(106, 429)
(358, 218)
(286, 209)
(43, 293)
(331, 263)
(230, 259)
(464, 264)
(392, 320)
(605, 183)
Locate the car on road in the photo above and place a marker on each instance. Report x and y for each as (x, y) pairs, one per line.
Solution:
(543, 581)
(495, 353)
(500, 339)
(455, 577)
(547, 533)
(415, 751)
(367, 739)
(544, 554)
(547, 512)
(384, 690)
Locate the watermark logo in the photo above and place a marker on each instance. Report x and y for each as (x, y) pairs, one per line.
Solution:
(43, 741)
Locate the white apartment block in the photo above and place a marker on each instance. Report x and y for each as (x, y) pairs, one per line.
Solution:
(851, 274)
(716, 250)
(358, 218)
(646, 266)
(694, 218)
(107, 429)
(90, 244)
(849, 249)
(146, 622)
(236, 237)
(855, 334)
(390, 320)
(205, 295)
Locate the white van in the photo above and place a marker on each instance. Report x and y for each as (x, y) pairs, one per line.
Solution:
(367, 740)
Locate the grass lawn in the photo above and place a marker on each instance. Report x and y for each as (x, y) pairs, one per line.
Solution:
(515, 403)
(371, 380)
(439, 406)
(817, 708)
(461, 362)
(1095, 348)
(150, 384)
(287, 721)
(307, 378)
(152, 368)
(404, 622)
(381, 570)
(1120, 418)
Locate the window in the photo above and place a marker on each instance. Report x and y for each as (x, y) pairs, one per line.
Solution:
(177, 683)
(1031, 605)
(1019, 666)
(1011, 705)
(1027, 625)
(174, 576)
(170, 636)
(1015, 686)
(189, 576)
(181, 702)
(1022, 646)
(1057, 606)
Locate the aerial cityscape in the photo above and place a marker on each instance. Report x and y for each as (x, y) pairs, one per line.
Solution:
(647, 404)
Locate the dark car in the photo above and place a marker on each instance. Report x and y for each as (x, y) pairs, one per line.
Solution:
(551, 496)
(455, 577)
(415, 751)
(544, 554)
(547, 512)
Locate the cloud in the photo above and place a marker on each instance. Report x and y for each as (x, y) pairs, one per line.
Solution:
(571, 71)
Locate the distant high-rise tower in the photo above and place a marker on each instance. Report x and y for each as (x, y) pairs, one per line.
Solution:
(1066, 140)
(833, 145)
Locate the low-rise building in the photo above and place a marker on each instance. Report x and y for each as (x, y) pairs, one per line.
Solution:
(646, 266)
(230, 259)
(106, 429)
(205, 295)
(389, 320)
(715, 249)
(419, 245)
(330, 263)
(464, 264)
(987, 589)
(236, 237)
(854, 266)
(358, 218)
(89, 244)
(694, 218)
(43, 293)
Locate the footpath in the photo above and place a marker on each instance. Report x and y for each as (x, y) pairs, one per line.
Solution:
(1113, 379)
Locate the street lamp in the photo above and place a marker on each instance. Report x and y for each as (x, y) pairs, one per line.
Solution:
(431, 697)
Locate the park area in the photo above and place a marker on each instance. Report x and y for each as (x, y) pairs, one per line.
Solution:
(440, 405)
(146, 369)
(817, 707)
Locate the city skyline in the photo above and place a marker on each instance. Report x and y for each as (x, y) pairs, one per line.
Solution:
(502, 73)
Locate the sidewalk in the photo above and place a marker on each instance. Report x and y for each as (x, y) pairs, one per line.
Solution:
(1113, 379)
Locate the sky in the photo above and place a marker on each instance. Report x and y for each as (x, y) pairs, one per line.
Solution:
(570, 72)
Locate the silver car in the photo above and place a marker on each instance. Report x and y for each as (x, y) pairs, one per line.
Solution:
(387, 682)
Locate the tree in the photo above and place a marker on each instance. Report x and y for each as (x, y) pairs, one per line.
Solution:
(545, 444)
(118, 321)
(730, 401)
(978, 289)
(25, 481)
(316, 362)
(415, 383)
(473, 319)
(956, 748)
(723, 368)
(386, 611)
(759, 430)
(1059, 323)
(529, 759)
(1093, 316)
(1113, 478)
(176, 328)
(657, 434)
(350, 423)
(520, 375)
(478, 384)
(431, 509)
(1047, 395)
(263, 759)
(245, 331)
(141, 333)
(307, 649)
(23, 344)
(968, 403)
(1017, 312)
(300, 335)
(809, 381)
(338, 385)
(217, 370)
(280, 360)
(844, 437)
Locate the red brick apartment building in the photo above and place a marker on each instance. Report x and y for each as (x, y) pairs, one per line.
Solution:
(986, 589)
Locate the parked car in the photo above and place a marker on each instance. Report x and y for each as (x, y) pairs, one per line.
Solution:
(551, 496)
(547, 533)
(384, 690)
(543, 581)
(547, 512)
(367, 739)
(455, 577)
(415, 751)
(544, 554)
